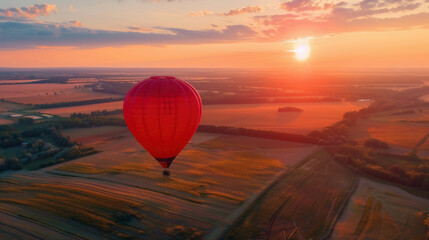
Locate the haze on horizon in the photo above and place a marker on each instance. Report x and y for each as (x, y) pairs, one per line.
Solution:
(190, 34)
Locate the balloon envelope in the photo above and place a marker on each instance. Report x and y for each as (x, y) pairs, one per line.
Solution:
(163, 114)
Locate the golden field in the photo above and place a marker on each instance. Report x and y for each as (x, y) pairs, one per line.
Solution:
(121, 192)
(403, 131)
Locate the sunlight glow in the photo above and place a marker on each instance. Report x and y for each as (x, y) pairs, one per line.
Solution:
(302, 52)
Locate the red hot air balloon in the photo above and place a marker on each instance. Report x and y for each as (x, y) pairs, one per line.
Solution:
(163, 114)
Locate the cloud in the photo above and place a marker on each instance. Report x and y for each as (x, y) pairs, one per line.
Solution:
(284, 27)
(26, 13)
(30, 35)
(305, 18)
(200, 13)
(305, 5)
(148, 30)
(75, 23)
(240, 11)
(232, 12)
(72, 8)
(154, 0)
(373, 7)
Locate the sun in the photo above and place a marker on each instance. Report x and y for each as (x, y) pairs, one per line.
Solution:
(302, 52)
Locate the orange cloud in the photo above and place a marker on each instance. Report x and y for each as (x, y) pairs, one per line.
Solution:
(27, 12)
(28, 35)
(240, 11)
(75, 23)
(232, 12)
(303, 5)
(200, 13)
(316, 18)
(149, 30)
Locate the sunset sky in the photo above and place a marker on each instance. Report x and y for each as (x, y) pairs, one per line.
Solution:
(208, 33)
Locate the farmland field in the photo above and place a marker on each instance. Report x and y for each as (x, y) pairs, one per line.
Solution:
(302, 205)
(221, 185)
(380, 211)
(267, 117)
(49, 93)
(425, 98)
(213, 176)
(82, 80)
(254, 116)
(5, 106)
(19, 81)
(66, 111)
(5, 121)
(425, 146)
(401, 131)
(409, 135)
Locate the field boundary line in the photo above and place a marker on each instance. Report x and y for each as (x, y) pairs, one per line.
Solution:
(41, 224)
(221, 230)
(420, 143)
(341, 210)
(62, 173)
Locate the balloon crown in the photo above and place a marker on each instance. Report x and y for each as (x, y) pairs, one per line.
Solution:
(162, 77)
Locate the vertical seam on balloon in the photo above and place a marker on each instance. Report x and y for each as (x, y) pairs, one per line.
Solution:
(177, 82)
(199, 103)
(189, 115)
(125, 103)
(175, 122)
(159, 119)
(175, 116)
(132, 100)
(144, 119)
(146, 147)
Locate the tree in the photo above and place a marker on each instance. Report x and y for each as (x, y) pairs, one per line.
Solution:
(375, 143)
(25, 121)
(398, 170)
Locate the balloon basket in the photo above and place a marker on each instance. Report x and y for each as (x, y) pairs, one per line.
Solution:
(166, 173)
